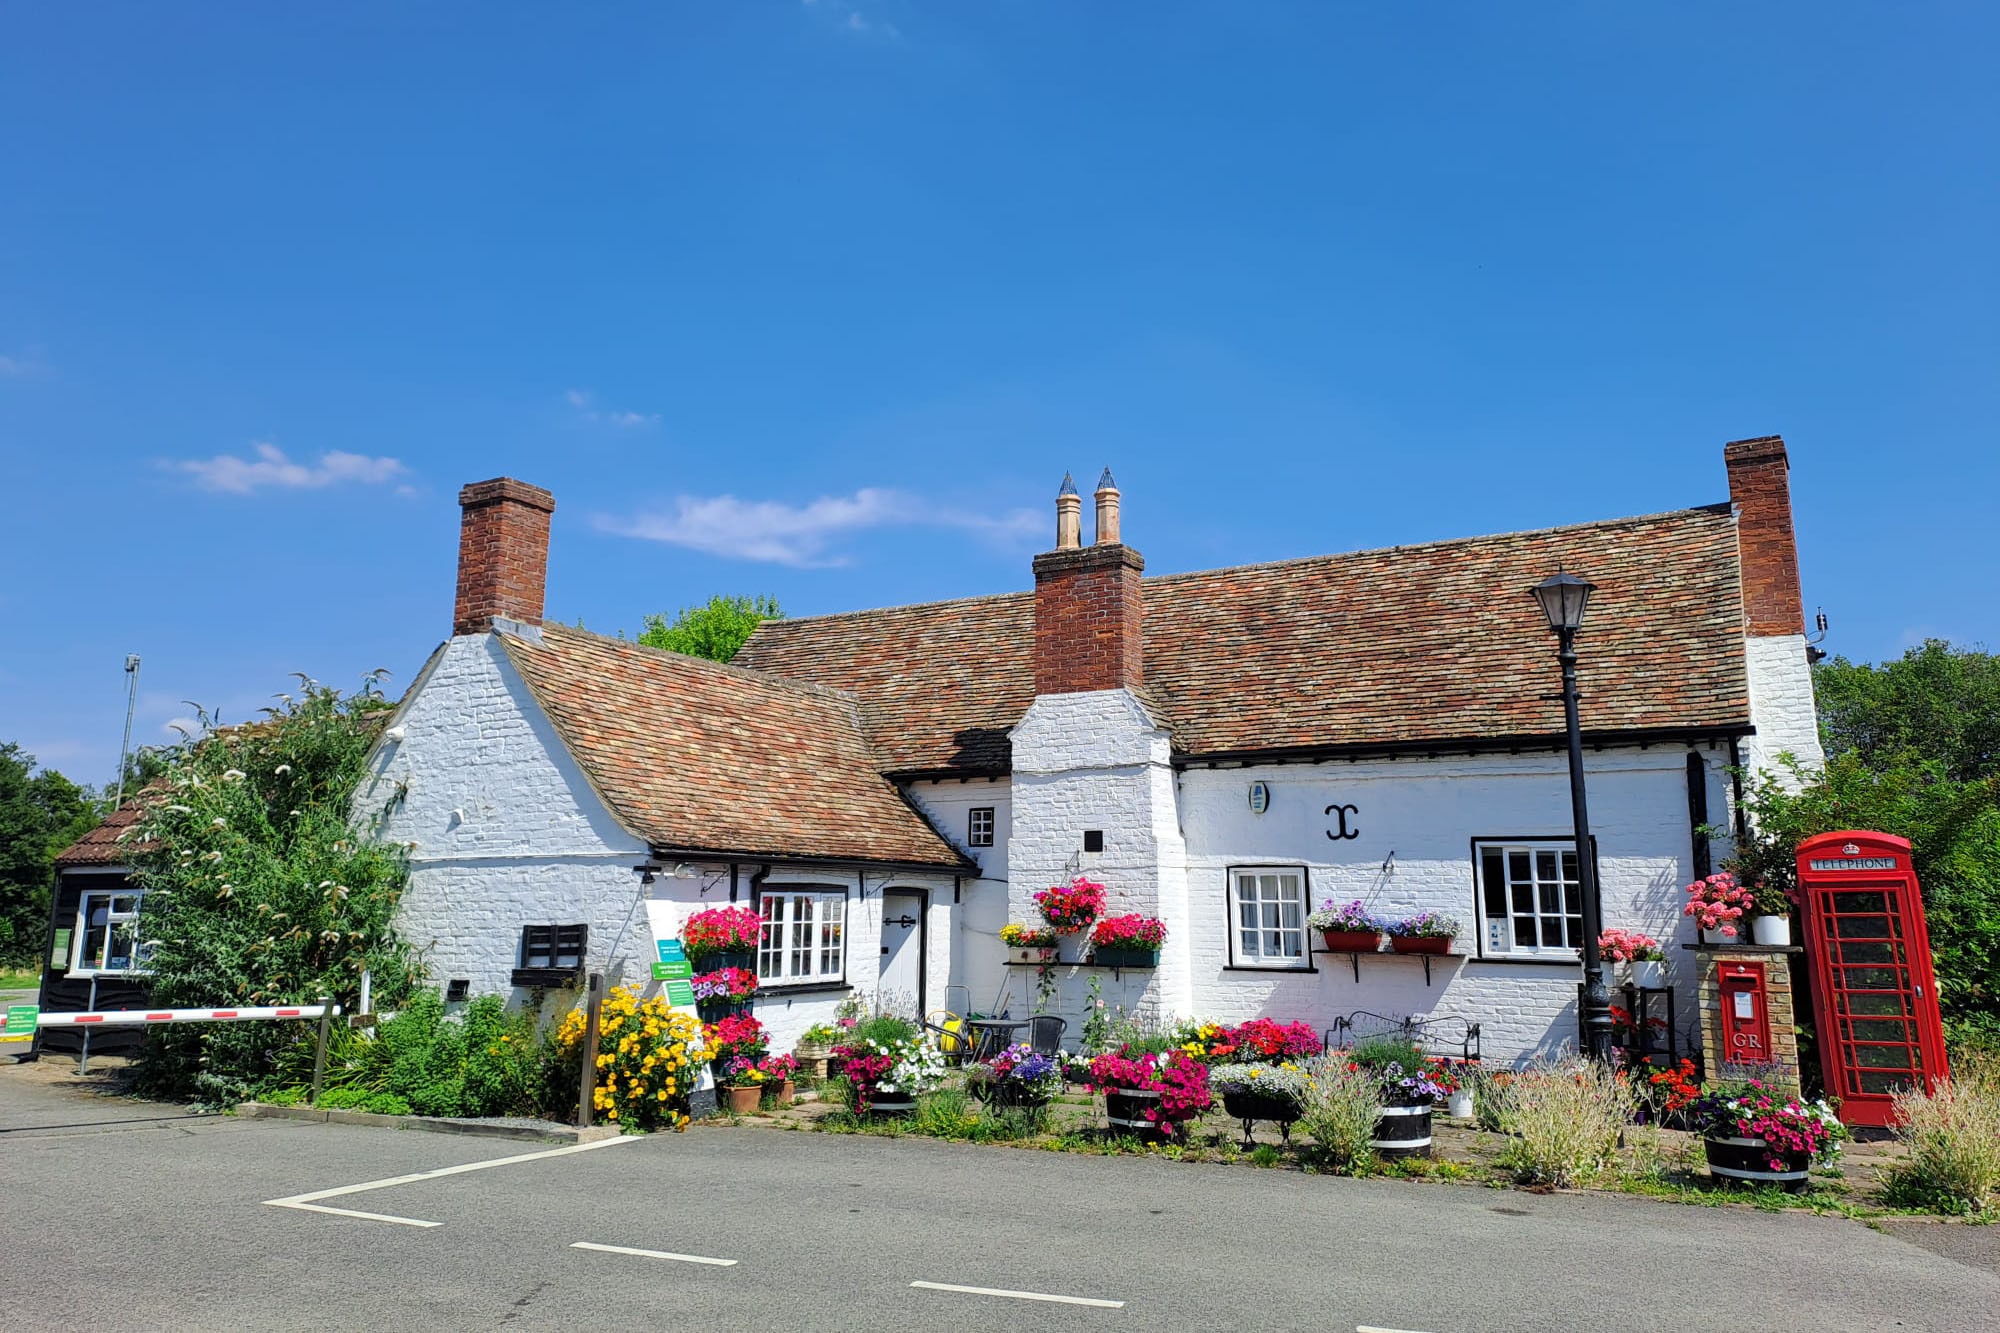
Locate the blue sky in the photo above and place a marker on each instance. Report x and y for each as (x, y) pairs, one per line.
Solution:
(821, 300)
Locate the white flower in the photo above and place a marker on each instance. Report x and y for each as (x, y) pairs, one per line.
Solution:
(181, 809)
(212, 856)
(282, 769)
(218, 822)
(234, 775)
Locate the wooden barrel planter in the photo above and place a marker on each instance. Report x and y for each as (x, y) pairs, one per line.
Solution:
(1402, 1129)
(1250, 1107)
(891, 1103)
(1008, 1092)
(1125, 1110)
(1748, 1162)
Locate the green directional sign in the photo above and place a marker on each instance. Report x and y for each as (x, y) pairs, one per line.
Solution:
(672, 971)
(680, 994)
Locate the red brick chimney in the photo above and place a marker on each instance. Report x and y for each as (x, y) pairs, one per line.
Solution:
(1760, 489)
(503, 553)
(1088, 606)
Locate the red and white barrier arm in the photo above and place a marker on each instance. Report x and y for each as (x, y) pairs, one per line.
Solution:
(138, 1017)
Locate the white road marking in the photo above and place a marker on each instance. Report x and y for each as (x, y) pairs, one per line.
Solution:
(652, 1254)
(1021, 1295)
(304, 1201)
(366, 1217)
(1370, 1328)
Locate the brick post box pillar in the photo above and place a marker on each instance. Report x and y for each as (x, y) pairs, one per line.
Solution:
(1754, 1037)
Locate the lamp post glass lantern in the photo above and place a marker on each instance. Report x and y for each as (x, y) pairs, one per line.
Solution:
(1563, 598)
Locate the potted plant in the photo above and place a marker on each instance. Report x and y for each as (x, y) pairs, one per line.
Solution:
(1018, 1076)
(1406, 1092)
(1717, 903)
(888, 1066)
(1770, 914)
(733, 1038)
(1128, 941)
(1642, 951)
(1455, 1079)
(723, 937)
(1070, 908)
(1754, 1134)
(815, 1045)
(1426, 932)
(1349, 928)
(1266, 1040)
(1261, 1091)
(723, 992)
(1150, 1093)
(1028, 944)
(778, 1072)
(742, 1081)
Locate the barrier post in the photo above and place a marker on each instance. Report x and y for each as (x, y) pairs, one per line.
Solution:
(319, 1053)
(587, 1090)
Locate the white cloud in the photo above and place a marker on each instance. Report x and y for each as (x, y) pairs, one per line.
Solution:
(20, 367)
(772, 532)
(234, 475)
(585, 406)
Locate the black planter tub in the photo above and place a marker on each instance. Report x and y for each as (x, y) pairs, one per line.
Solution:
(1250, 1107)
(1402, 1129)
(1748, 1162)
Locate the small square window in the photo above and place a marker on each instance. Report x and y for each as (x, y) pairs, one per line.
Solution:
(979, 827)
(552, 955)
(1093, 840)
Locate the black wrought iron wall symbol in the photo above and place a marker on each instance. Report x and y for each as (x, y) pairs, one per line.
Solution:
(1341, 814)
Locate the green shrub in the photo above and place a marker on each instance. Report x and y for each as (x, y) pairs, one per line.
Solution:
(1380, 1052)
(1565, 1119)
(883, 1029)
(1953, 1137)
(1340, 1114)
(506, 1065)
(945, 1114)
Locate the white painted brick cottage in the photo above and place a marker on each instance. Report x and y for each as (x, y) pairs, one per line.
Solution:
(890, 787)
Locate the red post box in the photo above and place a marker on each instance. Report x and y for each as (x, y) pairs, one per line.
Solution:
(1746, 1013)
(1874, 992)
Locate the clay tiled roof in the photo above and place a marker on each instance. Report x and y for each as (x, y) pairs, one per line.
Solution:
(695, 755)
(1412, 644)
(100, 846)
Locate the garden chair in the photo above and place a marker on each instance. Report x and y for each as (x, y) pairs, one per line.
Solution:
(1045, 1033)
(948, 1028)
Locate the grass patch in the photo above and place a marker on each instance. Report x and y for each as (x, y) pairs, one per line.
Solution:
(11, 979)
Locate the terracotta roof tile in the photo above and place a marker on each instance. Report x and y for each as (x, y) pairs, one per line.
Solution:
(1408, 644)
(696, 755)
(100, 846)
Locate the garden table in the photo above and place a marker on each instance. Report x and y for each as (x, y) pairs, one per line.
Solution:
(993, 1035)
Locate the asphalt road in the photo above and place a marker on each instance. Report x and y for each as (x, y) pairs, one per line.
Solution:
(134, 1216)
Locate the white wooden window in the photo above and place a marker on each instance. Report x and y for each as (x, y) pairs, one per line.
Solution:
(804, 937)
(1529, 900)
(979, 827)
(107, 933)
(1267, 913)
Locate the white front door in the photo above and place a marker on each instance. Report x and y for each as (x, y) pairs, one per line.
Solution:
(901, 987)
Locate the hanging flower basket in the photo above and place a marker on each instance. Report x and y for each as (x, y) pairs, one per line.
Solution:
(1071, 907)
(723, 937)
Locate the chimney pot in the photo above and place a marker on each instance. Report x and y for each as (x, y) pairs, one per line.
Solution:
(1069, 516)
(503, 554)
(1107, 510)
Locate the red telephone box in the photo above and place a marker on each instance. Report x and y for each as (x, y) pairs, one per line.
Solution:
(1874, 991)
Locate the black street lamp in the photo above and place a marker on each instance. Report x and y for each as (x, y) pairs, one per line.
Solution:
(1563, 598)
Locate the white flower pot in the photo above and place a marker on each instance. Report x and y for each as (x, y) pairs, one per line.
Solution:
(1717, 937)
(1460, 1105)
(1649, 973)
(1774, 931)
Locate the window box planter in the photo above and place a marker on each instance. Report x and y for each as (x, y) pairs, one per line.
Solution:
(743, 1100)
(1352, 941)
(716, 961)
(1032, 954)
(1105, 955)
(714, 1011)
(1432, 944)
(1126, 1109)
(1749, 1161)
(1402, 1128)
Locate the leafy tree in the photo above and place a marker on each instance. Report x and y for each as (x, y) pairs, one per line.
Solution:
(1935, 703)
(40, 814)
(260, 889)
(715, 631)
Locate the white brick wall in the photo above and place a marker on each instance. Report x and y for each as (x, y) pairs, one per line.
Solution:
(974, 954)
(508, 833)
(1782, 707)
